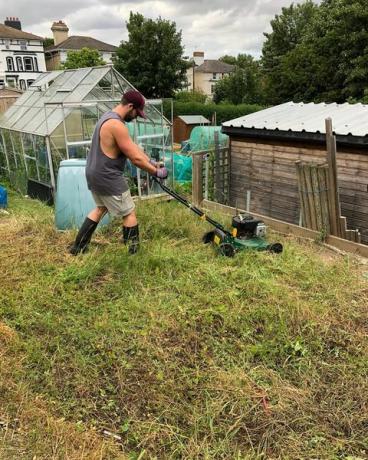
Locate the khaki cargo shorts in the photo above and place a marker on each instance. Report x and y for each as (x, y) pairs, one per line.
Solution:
(117, 205)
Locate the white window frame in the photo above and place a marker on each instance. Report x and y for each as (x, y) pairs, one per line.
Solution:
(9, 60)
(25, 65)
(20, 67)
(22, 85)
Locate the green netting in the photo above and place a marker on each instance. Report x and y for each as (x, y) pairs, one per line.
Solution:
(203, 138)
(182, 167)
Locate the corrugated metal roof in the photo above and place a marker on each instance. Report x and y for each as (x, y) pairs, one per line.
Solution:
(194, 119)
(347, 119)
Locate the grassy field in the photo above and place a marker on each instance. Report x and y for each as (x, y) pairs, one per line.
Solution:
(180, 353)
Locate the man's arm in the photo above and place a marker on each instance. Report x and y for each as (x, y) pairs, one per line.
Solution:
(131, 150)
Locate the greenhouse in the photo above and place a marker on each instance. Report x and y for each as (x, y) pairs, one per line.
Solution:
(55, 118)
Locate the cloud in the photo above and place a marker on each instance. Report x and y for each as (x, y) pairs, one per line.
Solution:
(213, 26)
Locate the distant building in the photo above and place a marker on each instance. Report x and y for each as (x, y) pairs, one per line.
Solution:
(57, 53)
(184, 124)
(205, 73)
(22, 56)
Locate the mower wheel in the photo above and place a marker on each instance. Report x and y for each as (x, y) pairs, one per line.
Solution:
(208, 237)
(227, 249)
(275, 248)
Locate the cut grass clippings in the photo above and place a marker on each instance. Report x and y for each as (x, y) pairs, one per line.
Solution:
(182, 354)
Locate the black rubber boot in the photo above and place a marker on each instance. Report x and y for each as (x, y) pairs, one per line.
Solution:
(84, 237)
(131, 238)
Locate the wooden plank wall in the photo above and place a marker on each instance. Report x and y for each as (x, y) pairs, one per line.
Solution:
(268, 170)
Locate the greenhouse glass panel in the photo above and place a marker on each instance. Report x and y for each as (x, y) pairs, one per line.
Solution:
(42, 159)
(45, 79)
(33, 172)
(74, 80)
(4, 168)
(31, 120)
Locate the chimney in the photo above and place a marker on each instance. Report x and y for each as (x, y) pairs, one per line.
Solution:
(60, 31)
(198, 57)
(13, 22)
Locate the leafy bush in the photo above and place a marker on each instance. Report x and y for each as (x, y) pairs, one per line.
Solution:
(191, 96)
(224, 112)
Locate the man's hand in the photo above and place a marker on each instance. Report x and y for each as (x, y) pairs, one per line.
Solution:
(162, 173)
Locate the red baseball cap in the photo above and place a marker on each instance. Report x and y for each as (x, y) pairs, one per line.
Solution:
(135, 97)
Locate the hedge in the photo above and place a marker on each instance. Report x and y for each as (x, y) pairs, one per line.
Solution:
(224, 112)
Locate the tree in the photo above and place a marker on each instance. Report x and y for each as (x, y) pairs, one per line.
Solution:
(288, 31)
(47, 41)
(243, 85)
(86, 57)
(337, 41)
(191, 96)
(327, 60)
(152, 58)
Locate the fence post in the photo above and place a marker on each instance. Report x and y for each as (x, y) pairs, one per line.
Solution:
(334, 202)
(217, 178)
(197, 179)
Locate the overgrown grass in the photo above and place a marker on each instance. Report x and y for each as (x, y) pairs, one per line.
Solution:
(182, 353)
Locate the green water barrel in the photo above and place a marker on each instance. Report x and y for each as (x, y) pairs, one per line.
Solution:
(73, 199)
(203, 138)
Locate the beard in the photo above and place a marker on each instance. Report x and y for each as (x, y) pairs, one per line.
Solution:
(129, 116)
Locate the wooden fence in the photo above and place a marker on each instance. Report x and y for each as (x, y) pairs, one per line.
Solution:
(211, 175)
(263, 174)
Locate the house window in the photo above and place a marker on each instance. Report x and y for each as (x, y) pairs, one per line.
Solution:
(28, 64)
(19, 64)
(22, 85)
(10, 64)
(11, 82)
(214, 76)
(35, 64)
(29, 82)
(213, 88)
(23, 44)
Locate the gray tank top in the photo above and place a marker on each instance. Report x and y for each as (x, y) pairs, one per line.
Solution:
(105, 175)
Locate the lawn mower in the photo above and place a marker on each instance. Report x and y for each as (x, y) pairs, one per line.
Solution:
(246, 233)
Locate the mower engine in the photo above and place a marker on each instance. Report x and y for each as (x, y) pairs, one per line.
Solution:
(246, 233)
(245, 227)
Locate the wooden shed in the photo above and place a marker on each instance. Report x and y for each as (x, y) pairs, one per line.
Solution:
(264, 147)
(7, 98)
(183, 125)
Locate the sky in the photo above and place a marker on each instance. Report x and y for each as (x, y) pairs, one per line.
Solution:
(216, 27)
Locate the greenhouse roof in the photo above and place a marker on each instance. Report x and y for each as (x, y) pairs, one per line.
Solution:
(39, 111)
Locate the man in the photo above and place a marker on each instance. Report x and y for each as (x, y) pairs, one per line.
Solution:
(111, 146)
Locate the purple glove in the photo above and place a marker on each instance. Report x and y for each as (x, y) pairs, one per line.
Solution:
(161, 173)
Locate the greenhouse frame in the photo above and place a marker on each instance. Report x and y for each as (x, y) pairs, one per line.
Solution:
(55, 118)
